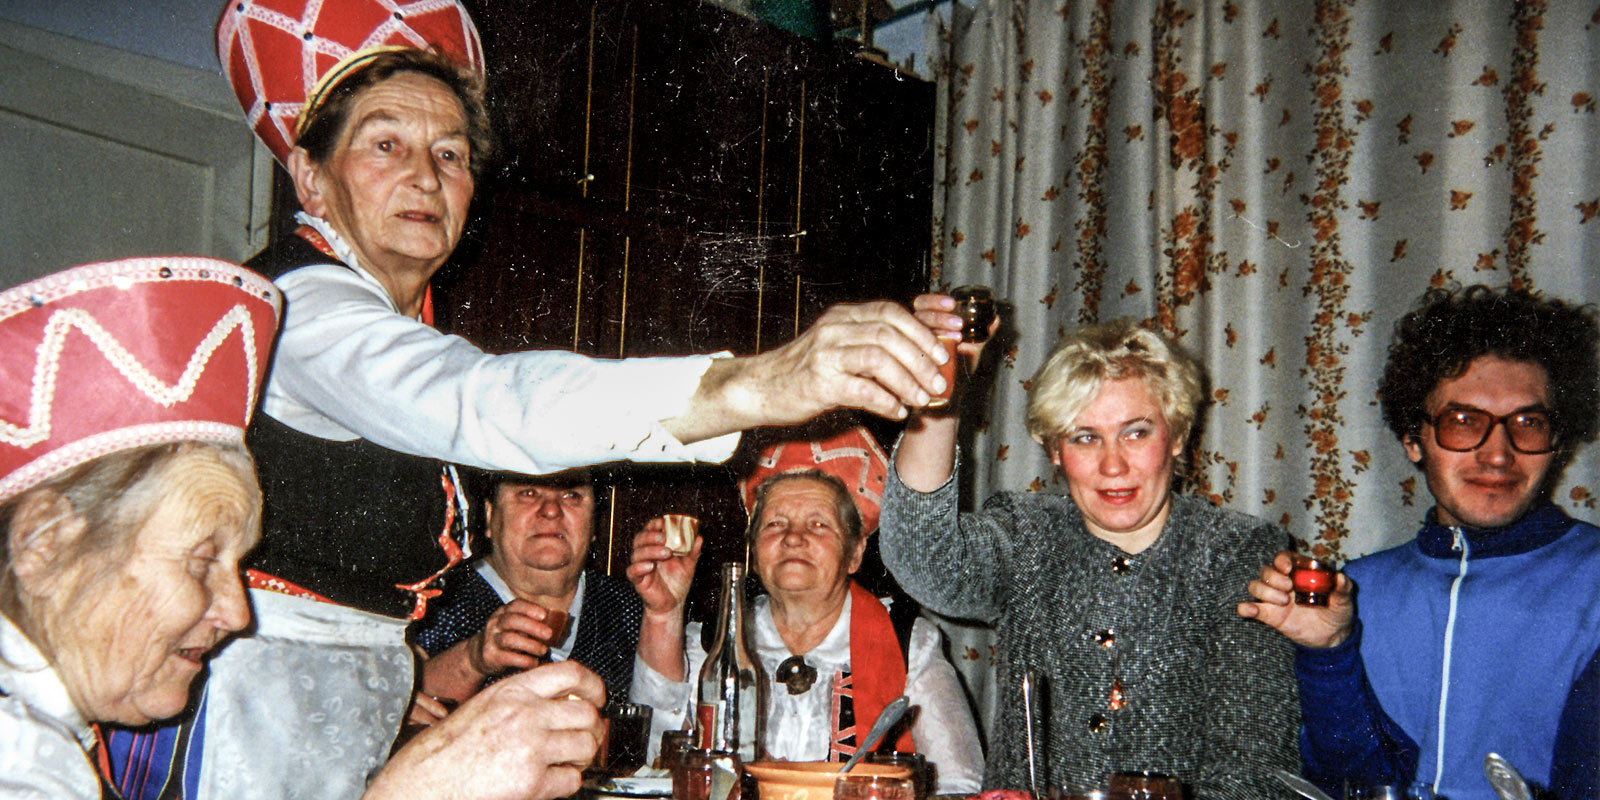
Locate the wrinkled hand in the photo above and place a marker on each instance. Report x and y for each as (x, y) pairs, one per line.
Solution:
(873, 356)
(527, 737)
(425, 709)
(513, 638)
(934, 311)
(660, 576)
(1307, 626)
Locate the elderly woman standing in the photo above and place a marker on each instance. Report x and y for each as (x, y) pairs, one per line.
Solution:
(126, 503)
(829, 647)
(1119, 596)
(376, 111)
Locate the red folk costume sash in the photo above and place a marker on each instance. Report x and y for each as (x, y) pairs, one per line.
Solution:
(877, 665)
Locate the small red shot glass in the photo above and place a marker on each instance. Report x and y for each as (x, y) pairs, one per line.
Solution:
(1314, 580)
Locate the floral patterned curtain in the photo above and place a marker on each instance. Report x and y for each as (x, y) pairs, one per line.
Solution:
(1274, 182)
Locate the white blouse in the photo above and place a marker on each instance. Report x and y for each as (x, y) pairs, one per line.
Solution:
(44, 741)
(800, 726)
(426, 393)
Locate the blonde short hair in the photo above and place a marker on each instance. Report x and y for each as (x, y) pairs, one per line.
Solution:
(1091, 356)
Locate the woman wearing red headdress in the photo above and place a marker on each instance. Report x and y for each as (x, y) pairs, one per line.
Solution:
(375, 109)
(833, 655)
(127, 500)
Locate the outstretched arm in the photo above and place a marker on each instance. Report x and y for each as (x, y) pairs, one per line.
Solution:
(873, 356)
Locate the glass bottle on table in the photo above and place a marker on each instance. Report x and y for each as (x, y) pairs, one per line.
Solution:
(732, 712)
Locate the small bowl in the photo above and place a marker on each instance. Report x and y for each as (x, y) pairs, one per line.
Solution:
(810, 780)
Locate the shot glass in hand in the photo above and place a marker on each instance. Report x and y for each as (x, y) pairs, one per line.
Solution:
(975, 306)
(1314, 580)
(680, 530)
(557, 620)
(947, 370)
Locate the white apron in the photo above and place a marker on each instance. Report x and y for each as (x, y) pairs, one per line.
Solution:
(307, 707)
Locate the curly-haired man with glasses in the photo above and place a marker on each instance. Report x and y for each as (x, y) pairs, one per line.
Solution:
(1480, 635)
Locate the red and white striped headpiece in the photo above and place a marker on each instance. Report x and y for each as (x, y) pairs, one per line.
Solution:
(121, 354)
(851, 455)
(282, 56)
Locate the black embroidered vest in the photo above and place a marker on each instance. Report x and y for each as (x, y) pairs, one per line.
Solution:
(347, 520)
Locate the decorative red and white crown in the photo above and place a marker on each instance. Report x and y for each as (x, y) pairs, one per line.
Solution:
(121, 354)
(282, 56)
(851, 455)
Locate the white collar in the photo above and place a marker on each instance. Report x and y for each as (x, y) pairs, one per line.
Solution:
(560, 651)
(344, 252)
(832, 652)
(28, 677)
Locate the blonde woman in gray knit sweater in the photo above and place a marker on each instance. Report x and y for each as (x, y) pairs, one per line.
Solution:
(1120, 595)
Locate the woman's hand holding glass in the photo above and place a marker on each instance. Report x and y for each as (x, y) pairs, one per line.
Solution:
(662, 577)
(926, 455)
(952, 319)
(659, 575)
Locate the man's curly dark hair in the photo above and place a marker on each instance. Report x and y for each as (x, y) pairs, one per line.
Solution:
(1452, 327)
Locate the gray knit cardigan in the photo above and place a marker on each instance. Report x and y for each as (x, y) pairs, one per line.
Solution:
(1210, 697)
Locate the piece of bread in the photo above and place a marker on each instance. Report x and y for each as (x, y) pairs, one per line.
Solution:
(680, 532)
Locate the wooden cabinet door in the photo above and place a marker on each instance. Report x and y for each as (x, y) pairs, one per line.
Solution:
(675, 178)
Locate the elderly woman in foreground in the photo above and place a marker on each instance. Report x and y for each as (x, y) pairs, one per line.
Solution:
(127, 500)
(1119, 596)
(832, 654)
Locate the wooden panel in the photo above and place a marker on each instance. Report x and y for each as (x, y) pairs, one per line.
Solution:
(712, 140)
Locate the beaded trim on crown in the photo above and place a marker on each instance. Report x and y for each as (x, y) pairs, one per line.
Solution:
(282, 59)
(851, 455)
(122, 354)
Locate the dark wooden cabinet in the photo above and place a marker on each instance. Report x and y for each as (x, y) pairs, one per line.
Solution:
(676, 178)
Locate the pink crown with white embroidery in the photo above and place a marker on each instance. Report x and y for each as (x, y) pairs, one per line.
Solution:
(851, 455)
(282, 56)
(121, 354)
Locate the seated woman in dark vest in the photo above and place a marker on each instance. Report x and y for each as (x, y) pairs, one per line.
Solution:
(491, 617)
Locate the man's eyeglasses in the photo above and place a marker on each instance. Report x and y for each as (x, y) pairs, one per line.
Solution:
(1464, 429)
